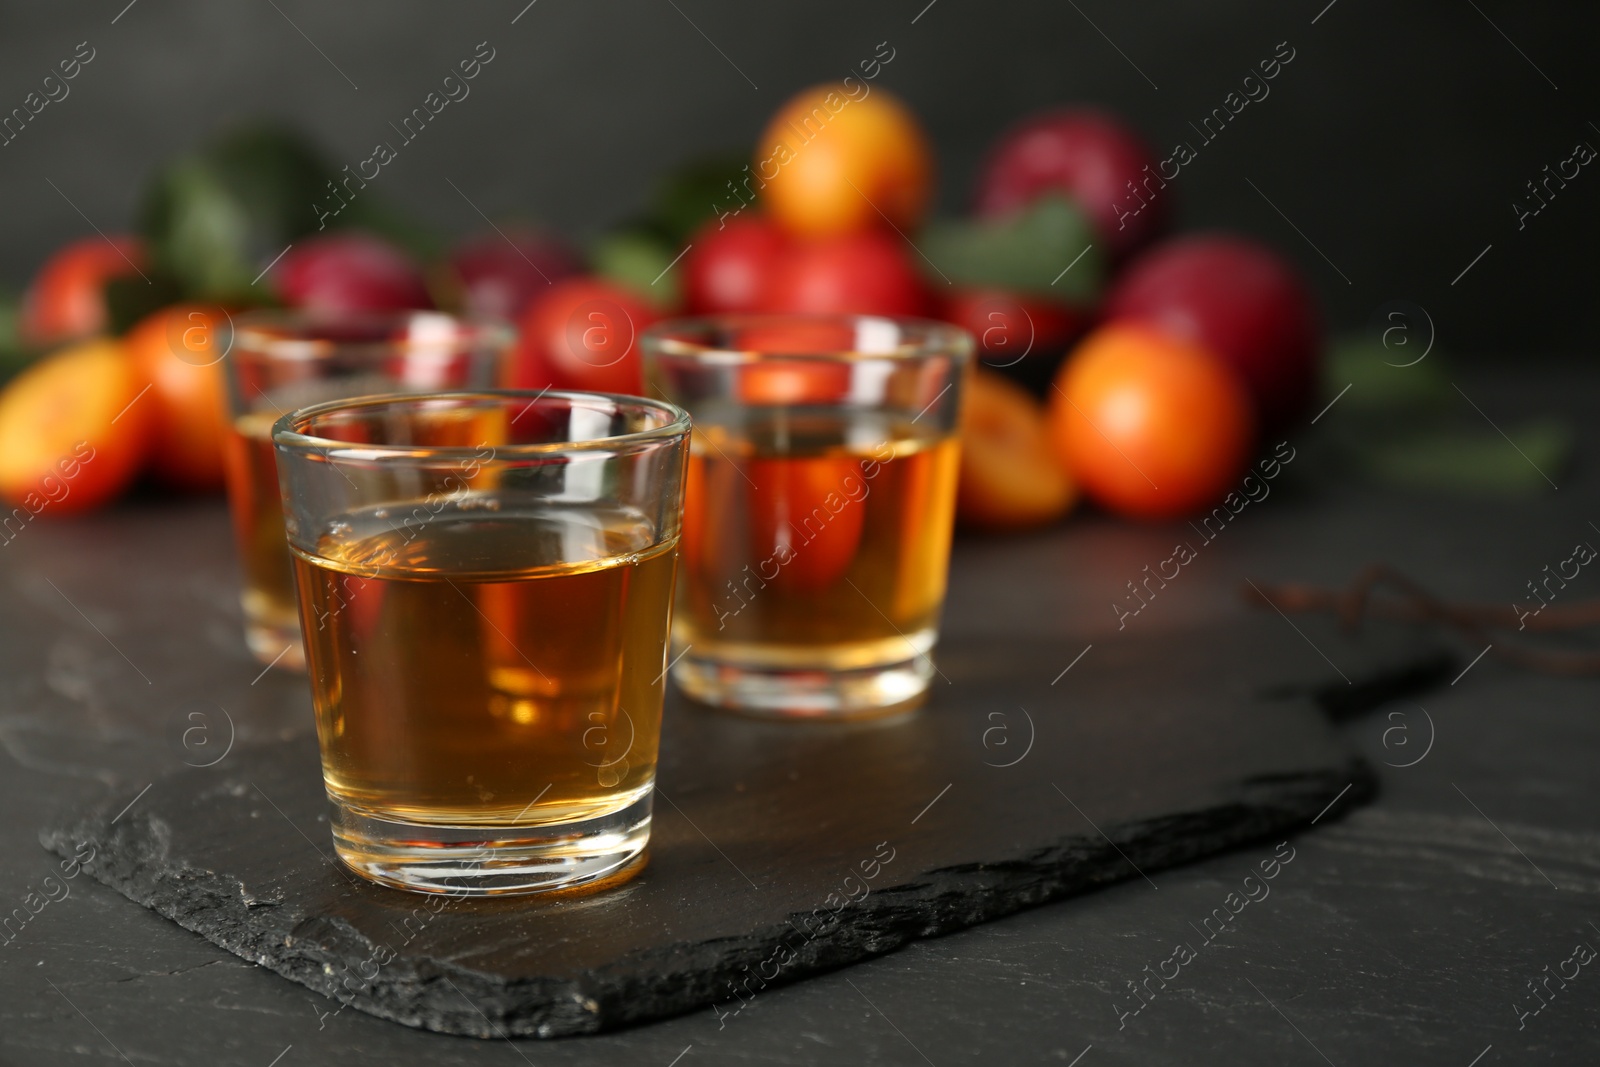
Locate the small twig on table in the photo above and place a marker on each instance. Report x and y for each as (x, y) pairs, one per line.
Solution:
(1380, 591)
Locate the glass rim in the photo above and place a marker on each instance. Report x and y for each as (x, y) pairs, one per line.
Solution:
(929, 337)
(253, 332)
(286, 437)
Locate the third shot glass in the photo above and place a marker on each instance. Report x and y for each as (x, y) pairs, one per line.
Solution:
(821, 493)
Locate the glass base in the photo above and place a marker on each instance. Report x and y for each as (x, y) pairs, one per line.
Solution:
(275, 646)
(789, 692)
(469, 861)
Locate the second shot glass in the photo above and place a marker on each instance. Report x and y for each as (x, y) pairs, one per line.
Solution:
(820, 500)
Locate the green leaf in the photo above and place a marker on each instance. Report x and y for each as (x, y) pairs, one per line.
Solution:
(1380, 380)
(638, 261)
(15, 354)
(215, 217)
(1027, 252)
(1472, 460)
(693, 192)
(10, 321)
(197, 231)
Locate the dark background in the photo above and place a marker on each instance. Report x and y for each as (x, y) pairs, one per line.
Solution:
(1397, 139)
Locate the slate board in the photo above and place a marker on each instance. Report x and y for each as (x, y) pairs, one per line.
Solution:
(1019, 783)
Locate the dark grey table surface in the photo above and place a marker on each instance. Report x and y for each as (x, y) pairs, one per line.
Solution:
(1407, 932)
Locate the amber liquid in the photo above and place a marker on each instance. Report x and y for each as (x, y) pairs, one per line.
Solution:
(272, 619)
(816, 540)
(495, 665)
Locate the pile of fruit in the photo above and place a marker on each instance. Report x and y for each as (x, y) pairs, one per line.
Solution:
(1141, 374)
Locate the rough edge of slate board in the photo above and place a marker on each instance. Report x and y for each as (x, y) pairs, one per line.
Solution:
(689, 976)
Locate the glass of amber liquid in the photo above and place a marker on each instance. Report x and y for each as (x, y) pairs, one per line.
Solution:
(485, 586)
(277, 362)
(819, 503)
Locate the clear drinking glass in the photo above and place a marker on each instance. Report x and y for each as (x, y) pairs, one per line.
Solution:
(485, 587)
(821, 493)
(279, 361)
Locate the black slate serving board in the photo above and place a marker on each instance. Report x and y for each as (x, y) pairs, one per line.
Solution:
(779, 850)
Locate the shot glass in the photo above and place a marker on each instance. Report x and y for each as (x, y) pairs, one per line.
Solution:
(279, 361)
(821, 492)
(485, 587)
